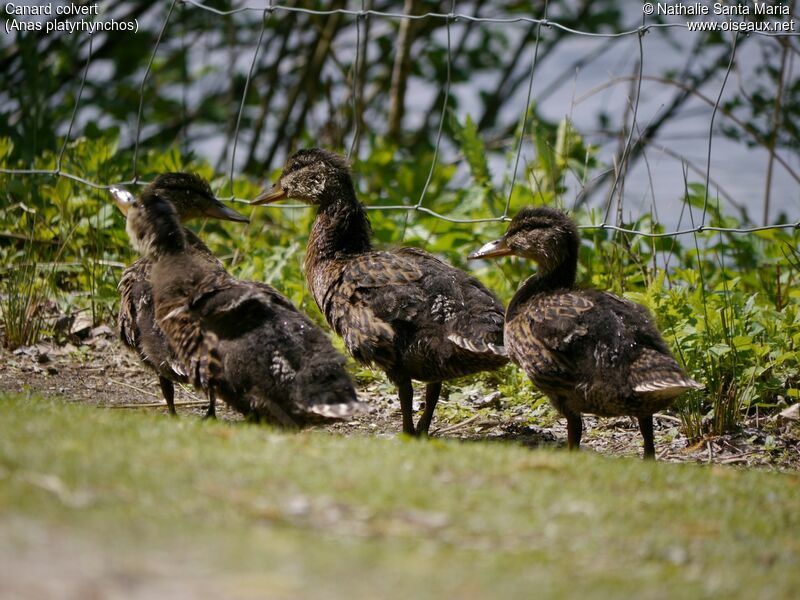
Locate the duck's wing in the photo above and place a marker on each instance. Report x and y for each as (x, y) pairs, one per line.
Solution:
(381, 293)
(369, 295)
(600, 330)
(377, 270)
(230, 307)
(454, 298)
(134, 288)
(137, 325)
(371, 282)
(217, 308)
(308, 378)
(558, 320)
(472, 315)
(196, 349)
(563, 318)
(276, 297)
(544, 335)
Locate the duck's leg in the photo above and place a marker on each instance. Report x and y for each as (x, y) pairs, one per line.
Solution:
(432, 391)
(646, 427)
(211, 413)
(168, 389)
(406, 393)
(574, 430)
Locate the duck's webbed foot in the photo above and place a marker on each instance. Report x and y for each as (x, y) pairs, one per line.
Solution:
(211, 413)
(432, 391)
(406, 393)
(574, 430)
(168, 390)
(646, 427)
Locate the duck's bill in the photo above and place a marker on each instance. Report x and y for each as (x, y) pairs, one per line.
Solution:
(217, 210)
(491, 250)
(270, 196)
(122, 198)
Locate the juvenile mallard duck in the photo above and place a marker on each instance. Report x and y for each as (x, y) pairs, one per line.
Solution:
(587, 350)
(192, 198)
(239, 340)
(404, 310)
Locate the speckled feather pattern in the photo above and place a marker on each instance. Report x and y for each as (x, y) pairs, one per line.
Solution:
(241, 339)
(275, 362)
(588, 350)
(405, 310)
(136, 321)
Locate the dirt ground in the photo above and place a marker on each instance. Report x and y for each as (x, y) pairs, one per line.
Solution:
(99, 371)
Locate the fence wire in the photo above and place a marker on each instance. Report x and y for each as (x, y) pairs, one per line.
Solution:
(269, 9)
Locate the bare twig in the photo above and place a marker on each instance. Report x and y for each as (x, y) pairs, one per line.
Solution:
(305, 83)
(776, 119)
(269, 86)
(159, 404)
(400, 71)
(688, 86)
(141, 89)
(649, 132)
(733, 460)
(669, 418)
(134, 388)
(456, 52)
(462, 424)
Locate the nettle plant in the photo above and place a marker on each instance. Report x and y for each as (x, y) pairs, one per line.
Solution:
(727, 303)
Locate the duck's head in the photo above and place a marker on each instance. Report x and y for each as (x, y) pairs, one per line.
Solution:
(189, 193)
(152, 221)
(546, 235)
(314, 176)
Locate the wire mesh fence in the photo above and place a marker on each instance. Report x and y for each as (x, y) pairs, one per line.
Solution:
(426, 86)
(635, 135)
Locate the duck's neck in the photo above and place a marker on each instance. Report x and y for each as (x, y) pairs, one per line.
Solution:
(341, 228)
(557, 275)
(159, 238)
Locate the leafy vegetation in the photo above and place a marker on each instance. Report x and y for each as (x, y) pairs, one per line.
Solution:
(728, 303)
(234, 510)
(302, 79)
(111, 108)
(222, 506)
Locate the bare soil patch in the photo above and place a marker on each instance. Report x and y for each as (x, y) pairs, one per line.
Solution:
(100, 371)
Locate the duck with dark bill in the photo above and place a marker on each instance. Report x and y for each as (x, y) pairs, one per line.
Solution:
(408, 312)
(192, 198)
(239, 340)
(587, 350)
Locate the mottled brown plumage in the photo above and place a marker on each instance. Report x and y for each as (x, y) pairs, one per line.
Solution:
(405, 310)
(588, 350)
(237, 340)
(192, 198)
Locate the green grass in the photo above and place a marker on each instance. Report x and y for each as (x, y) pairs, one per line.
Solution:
(259, 511)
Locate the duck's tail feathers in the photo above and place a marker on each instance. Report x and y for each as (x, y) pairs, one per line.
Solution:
(324, 390)
(339, 411)
(477, 346)
(667, 387)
